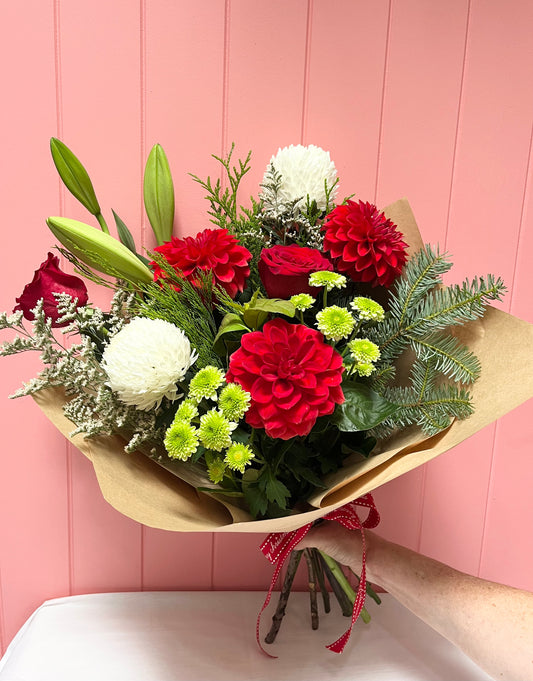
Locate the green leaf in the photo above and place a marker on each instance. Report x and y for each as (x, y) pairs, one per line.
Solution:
(255, 497)
(362, 409)
(275, 490)
(158, 192)
(258, 309)
(303, 472)
(99, 250)
(231, 323)
(124, 234)
(74, 175)
(274, 305)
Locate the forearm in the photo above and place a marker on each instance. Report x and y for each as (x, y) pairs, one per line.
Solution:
(491, 623)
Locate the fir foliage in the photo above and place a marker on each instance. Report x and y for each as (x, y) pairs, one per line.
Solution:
(421, 312)
(425, 403)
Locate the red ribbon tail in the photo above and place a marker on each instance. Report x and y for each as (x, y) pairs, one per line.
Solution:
(278, 546)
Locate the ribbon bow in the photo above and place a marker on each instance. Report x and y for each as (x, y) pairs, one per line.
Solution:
(279, 545)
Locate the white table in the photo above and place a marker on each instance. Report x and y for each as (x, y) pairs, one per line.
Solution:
(210, 636)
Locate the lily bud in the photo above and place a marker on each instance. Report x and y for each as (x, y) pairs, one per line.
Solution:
(74, 175)
(99, 250)
(159, 194)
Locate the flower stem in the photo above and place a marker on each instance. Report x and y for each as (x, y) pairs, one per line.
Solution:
(294, 561)
(102, 223)
(343, 583)
(312, 581)
(319, 572)
(341, 596)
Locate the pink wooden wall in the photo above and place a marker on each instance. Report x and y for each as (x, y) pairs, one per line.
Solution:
(416, 98)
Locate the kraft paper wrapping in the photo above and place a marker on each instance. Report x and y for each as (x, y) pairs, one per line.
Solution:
(146, 492)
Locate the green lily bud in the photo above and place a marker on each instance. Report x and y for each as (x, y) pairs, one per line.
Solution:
(99, 250)
(159, 194)
(74, 175)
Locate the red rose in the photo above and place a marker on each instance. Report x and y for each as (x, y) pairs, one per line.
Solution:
(285, 270)
(213, 250)
(47, 280)
(292, 375)
(364, 243)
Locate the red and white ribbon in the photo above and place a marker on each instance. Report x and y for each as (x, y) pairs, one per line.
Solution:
(279, 545)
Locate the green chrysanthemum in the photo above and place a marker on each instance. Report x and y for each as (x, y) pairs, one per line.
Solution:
(328, 279)
(335, 322)
(302, 301)
(215, 430)
(368, 309)
(181, 440)
(206, 383)
(364, 368)
(186, 411)
(234, 401)
(215, 470)
(363, 350)
(238, 456)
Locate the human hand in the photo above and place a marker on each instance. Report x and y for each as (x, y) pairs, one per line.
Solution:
(344, 545)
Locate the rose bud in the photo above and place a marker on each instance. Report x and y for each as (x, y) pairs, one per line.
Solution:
(47, 280)
(285, 270)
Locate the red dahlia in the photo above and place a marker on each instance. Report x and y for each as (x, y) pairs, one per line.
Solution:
(364, 243)
(292, 374)
(213, 250)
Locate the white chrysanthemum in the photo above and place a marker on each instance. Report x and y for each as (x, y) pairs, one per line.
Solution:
(304, 171)
(145, 360)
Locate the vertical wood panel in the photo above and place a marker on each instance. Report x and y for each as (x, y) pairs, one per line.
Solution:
(195, 77)
(267, 49)
(184, 74)
(33, 531)
(487, 197)
(346, 75)
(419, 121)
(184, 98)
(100, 98)
(265, 88)
(507, 551)
(421, 103)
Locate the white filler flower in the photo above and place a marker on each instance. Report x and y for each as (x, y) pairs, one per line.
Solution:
(145, 360)
(304, 171)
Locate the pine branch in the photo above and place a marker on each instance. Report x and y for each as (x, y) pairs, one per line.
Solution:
(419, 306)
(432, 412)
(451, 358)
(456, 304)
(423, 272)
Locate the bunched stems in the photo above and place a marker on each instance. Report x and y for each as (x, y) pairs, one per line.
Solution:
(320, 567)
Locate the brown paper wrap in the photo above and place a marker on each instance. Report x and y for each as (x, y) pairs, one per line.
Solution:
(144, 491)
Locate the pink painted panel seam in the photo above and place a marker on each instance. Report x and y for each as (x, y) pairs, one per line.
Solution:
(492, 476)
(459, 108)
(142, 111)
(307, 70)
(2, 618)
(383, 91)
(520, 235)
(225, 81)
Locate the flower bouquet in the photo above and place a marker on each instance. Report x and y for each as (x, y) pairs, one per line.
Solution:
(270, 371)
